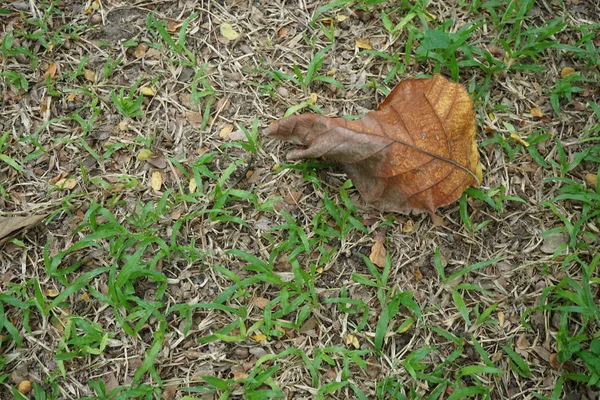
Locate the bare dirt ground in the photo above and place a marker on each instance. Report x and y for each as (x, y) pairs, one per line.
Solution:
(192, 303)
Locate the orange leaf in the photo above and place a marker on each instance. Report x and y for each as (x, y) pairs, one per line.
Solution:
(416, 152)
(51, 71)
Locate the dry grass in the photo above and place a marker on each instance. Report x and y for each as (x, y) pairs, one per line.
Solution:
(194, 250)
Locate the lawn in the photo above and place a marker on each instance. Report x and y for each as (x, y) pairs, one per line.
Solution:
(155, 244)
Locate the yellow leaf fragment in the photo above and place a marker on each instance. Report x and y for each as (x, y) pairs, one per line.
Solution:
(591, 179)
(193, 185)
(363, 43)
(519, 139)
(224, 133)
(408, 227)
(566, 71)
(501, 319)
(148, 91)
(350, 339)
(144, 154)
(228, 32)
(341, 18)
(123, 125)
(51, 292)
(331, 72)
(406, 325)
(313, 98)
(536, 112)
(259, 337)
(89, 75)
(156, 180)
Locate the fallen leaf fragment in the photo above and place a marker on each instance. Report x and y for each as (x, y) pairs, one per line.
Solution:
(566, 71)
(66, 183)
(10, 226)
(260, 302)
(225, 131)
(363, 43)
(519, 139)
(408, 226)
(501, 319)
(157, 161)
(89, 75)
(156, 180)
(50, 71)
(24, 387)
(51, 292)
(416, 152)
(592, 180)
(148, 91)
(140, 50)
(193, 185)
(536, 112)
(378, 252)
(350, 339)
(144, 154)
(228, 32)
(259, 337)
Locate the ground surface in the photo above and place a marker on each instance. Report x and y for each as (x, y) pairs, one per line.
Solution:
(180, 255)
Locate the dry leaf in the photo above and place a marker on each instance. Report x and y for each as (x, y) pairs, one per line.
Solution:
(519, 139)
(363, 43)
(501, 319)
(591, 179)
(51, 71)
(140, 50)
(157, 161)
(89, 75)
(378, 252)
(51, 292)
(228, 32)
(313, 98)
(238, 135)
(408, 227)
(536, 112)
(418, 275)
(10, 226)
(341, 18)
(193, 117)
(416, 152)
(66, 183)
(224, 133)
(148, 91)
(566, 71)
(123, 126)
(259, 337)
(522, 342)
(144, 154)
(437, 220)
(350, 339)
(156, 180)
(193, 185)
(260, 302)
(24, 387)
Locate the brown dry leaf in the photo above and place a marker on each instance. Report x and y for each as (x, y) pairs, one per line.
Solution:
(140, 50)
(156, 180)
(51, 71)
(418, 275)
(566, 71)
(378, 252)
(10, 226)
(591, 179)
(24, 387)
(522, 342)
(536, 112)
(437, 220)
(157, 161)
(194, 117)
(260, 302)
(363, 43)
(416, 152)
